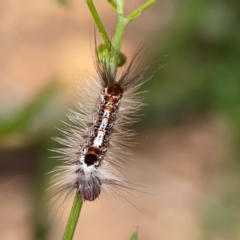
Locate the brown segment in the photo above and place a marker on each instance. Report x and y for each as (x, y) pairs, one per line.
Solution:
(90, 159)
(109, 108)
(94, 150)
(114, 90)
(106, 98)
(111, 100)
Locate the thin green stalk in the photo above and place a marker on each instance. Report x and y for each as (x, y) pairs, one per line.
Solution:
(118, 36)
(121, 24)
(122, 21)
(73, 217)
(114, 5)
(98, 23)
(138, 11)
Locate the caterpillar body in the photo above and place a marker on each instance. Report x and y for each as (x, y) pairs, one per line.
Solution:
(95, 142)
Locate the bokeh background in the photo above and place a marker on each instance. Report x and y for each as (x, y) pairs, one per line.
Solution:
(189, 135)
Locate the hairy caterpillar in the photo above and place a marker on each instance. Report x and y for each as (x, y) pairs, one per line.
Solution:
(96, 141)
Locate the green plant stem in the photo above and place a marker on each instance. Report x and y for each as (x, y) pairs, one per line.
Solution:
(114, 50)
(98, 23)
(138, 11)
(114, 5)
(121, 23)
(73, 217)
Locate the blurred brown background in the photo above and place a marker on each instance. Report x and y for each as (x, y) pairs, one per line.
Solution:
(188, 155)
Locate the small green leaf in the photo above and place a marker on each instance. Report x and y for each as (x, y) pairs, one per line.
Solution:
(134, 236)
(121, 59)
(105, 55)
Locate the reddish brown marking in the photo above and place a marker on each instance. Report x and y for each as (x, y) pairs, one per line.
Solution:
(106, 98)
(111, 100)
(105, 107)
(114, 90)
(94, 150)
(109, 108)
